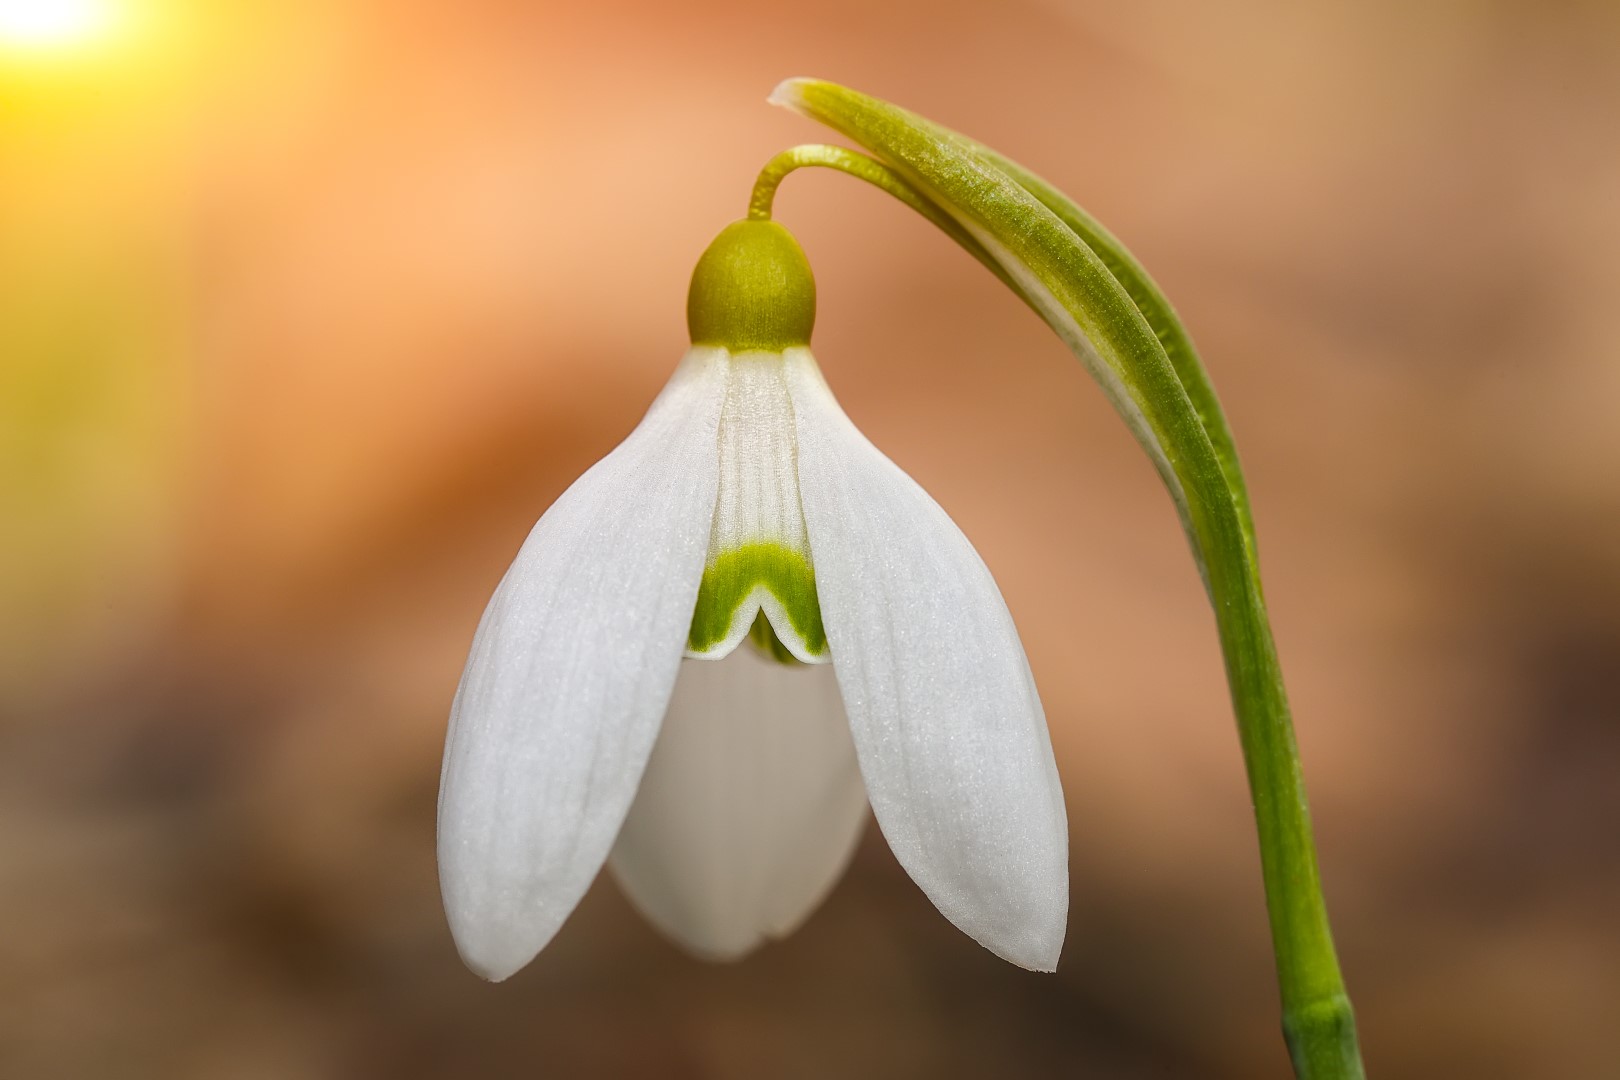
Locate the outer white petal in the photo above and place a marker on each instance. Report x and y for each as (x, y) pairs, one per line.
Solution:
(949, 730)
(750, 807)
(569, 676)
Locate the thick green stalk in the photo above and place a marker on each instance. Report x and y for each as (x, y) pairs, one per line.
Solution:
(1108, 311)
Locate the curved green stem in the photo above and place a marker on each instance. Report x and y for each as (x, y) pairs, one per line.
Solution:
(1108, 311)
(880, 176)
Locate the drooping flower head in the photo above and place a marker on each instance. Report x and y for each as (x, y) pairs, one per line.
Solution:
(745, 507)
(719, 644)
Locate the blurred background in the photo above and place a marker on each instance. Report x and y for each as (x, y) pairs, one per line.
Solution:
(309, 309)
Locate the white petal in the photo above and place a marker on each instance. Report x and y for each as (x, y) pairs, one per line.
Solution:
(569, 676)
(750, 807)
(948, 727)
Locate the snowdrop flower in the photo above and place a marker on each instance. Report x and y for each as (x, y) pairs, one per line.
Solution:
(722, 641)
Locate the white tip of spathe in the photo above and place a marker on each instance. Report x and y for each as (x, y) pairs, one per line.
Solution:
(787, 93)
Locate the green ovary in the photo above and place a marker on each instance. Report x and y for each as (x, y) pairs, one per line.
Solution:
(728, 581)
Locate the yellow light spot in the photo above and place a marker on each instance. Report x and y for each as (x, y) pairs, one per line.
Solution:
(39, 25)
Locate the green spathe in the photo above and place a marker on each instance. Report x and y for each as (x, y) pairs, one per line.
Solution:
(752, 291)
(1107, 310)
(732, 577)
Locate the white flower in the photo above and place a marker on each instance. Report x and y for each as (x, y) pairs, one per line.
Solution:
(728, 793)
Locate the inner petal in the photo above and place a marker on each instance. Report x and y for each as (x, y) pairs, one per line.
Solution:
(759, 556)
(750, 808)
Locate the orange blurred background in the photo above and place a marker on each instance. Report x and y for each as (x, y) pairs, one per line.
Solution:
(308, 310)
